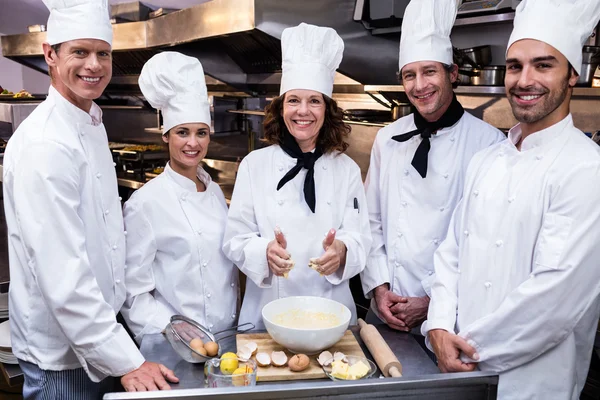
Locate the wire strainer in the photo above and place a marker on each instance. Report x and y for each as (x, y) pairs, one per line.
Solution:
(181, 330)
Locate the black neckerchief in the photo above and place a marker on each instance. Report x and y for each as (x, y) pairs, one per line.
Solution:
(425, 128)
(303, 160)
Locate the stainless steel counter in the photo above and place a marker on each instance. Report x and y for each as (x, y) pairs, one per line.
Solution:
(421, 378)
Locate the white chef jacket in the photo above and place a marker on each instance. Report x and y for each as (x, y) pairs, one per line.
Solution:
(257, 207)
(520, 263)
(175, 264)
(409, 215)
(66, 243)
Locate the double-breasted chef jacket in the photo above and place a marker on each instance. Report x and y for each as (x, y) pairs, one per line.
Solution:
(175, 264)
(409, 215)
(66, 243)
(257, 208)
(520, 263)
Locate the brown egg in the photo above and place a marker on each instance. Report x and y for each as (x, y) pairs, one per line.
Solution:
(197, 344)
(211, 348)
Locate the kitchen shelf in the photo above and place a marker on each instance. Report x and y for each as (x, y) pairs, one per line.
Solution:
(248, 112)
(466, 21)
(478, 90)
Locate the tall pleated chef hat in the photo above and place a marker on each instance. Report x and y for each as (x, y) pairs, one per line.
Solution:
(78, 19)
(310, 54)
(174, 84)
(426, 28)
(563, 24)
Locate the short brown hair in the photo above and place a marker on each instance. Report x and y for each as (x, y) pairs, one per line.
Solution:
(331, 136)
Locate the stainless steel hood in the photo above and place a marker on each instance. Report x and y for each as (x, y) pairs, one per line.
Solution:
(237, 41)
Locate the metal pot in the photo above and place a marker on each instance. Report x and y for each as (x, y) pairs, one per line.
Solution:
(480, 55)
(492, 75)
(401, 110)
(591, 54)
(591, 61)
(464, 75)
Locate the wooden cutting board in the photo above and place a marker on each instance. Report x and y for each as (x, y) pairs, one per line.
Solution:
(347, 345)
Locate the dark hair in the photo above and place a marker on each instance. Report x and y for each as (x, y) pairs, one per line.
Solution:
(331, 136)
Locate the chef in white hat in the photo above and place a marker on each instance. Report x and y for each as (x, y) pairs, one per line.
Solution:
(520, 263)
(65, 227)
(175, 222)
(300, 202)
(417, 170)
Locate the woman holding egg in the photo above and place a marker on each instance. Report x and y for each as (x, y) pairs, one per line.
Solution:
(300, 202)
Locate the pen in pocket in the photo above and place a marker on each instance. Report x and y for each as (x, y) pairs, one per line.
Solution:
(356, 205)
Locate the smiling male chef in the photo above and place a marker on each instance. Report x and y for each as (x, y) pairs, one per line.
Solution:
(520, 264)
(417, 170)
(65, 227)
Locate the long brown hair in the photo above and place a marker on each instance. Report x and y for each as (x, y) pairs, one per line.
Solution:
(331, 136)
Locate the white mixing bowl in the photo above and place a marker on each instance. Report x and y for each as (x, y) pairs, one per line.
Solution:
(306, 338)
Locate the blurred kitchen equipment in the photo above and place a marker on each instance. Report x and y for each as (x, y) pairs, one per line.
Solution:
(401, 110)
(367, 115)
(491, 75)
(129, 12)
(384, 356)
(596, 139)
(465, 74)
(305, 339)
(590, 62)
(36, 28)
(480, 56)
(181, 330)
(486, 6)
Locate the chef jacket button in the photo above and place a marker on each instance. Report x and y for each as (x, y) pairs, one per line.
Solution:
(511, 199)
(232, 316)
(125, 233)
(397, 263)
(205, 264)
(532, 275)
(400, 234)
(208, 295)
(488, 284)
(120, 198)
(106, 212)
(324, 166)
(114, 164)
(446, 176)
(280, 202)
(458, 270)
(182, 198)
(476, 193)
(430, 273)
(82, 133)
(499, 243)
(114, 247)
(280, 168)
(210, 326)
(405, 172)
(466, 233)
(436, 242)
(404, 204)
(98, 175)
(442, 209)
(117, 281)
(198, 232)
(233, 285)
(329, 202)
(539, 157)
(452, 139)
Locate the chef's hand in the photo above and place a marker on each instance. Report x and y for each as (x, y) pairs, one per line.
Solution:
(277, 257)
(334, 256)
(412, 312)
(187, 331)
(447, 348)
(385, 300)
(149, 376)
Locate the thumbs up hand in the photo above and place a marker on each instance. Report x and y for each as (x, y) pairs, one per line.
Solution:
(334, 256)
(278, 259)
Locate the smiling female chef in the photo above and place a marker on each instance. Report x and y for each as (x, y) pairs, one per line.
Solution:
(175, 222)
(302, 185)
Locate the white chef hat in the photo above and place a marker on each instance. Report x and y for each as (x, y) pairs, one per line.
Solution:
(426, 28)
(563, 24)
(310, 54)
(78, 19)
(175, 84)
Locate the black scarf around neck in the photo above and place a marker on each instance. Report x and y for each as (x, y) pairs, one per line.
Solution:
(303, 160)
(425, 128)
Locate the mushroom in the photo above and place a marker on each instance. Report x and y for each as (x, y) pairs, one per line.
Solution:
(339, 356)
(324, 358)
(263, 359)
(278, 358)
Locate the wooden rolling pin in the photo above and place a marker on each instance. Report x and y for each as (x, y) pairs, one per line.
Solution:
(384, 356)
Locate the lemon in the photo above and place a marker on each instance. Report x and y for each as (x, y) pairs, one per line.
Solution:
(229, 363)
(240, 379)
